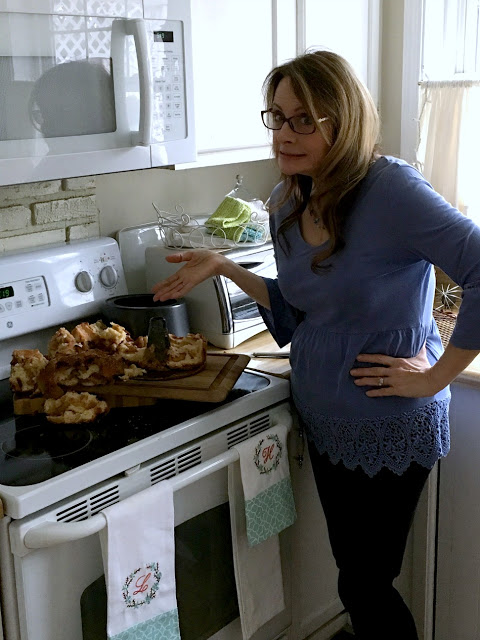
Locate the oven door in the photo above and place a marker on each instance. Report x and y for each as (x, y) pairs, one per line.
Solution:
(60, 589)
(75, 96)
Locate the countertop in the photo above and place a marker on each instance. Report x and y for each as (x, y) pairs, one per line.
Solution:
(281, 367)
(261, 342)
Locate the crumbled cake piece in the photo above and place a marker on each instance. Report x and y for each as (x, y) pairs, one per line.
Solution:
(26, 365)
(186, 352)
(74, 408)
(132, 372)
(62, 341)
(99, 336)
(86, 368)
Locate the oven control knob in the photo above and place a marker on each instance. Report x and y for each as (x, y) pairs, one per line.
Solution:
(108, 276)
(83, 282)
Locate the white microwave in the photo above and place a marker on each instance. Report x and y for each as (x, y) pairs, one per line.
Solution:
(90, 87)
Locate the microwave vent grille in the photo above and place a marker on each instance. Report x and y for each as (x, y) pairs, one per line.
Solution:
(176, 464)
(247, 430)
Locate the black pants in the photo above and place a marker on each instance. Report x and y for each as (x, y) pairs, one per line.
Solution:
(368, 521)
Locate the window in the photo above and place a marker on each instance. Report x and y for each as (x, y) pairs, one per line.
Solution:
(451, 47)
(449, 102)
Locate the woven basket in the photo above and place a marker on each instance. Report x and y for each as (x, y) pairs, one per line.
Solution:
(446, 321)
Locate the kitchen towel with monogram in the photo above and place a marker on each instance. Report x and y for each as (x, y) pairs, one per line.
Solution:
(139, 560)
(267, 489)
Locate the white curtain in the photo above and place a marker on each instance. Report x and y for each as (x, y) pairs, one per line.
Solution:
(448, 153)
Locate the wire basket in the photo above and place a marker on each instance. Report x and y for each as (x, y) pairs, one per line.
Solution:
(179, 230)
(446, 321)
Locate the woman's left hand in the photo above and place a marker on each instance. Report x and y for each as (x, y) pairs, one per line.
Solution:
(406, 377)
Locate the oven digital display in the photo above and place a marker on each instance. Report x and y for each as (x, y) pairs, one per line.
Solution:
(163, 36)
(6, 292)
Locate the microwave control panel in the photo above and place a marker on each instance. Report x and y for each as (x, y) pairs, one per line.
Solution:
(168, 71)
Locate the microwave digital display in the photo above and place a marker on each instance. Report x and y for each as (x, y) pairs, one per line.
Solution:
(163, 36)
(6, 292)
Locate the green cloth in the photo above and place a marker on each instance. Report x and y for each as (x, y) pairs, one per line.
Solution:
(230, 213)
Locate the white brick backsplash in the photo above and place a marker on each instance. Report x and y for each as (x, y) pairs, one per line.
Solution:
(32, 240)
(81, 231)
(30, 190)
(62, 210)
(13, 218)
(75, 184)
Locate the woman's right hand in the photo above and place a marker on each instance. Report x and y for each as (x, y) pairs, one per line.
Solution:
(199, 265)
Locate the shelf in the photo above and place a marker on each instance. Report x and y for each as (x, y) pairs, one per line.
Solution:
(227, 156)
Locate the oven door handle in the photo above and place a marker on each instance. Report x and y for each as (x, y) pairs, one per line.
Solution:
(50, 534)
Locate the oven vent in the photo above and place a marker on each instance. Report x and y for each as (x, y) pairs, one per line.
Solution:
(74, 513)
(247, 430)
(88, 507)
(103, 499)
(173, 466)
(259, 424)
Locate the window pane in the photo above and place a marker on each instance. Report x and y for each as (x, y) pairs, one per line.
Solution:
(232, 54)
(342, 27)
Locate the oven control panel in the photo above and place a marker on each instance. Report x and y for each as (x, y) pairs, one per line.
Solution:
(22, 295)
(56, 284)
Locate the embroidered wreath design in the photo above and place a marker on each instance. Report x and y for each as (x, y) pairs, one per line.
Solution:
(131, 601)
(263, 468)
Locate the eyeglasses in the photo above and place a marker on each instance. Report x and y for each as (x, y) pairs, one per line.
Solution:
(304, 124)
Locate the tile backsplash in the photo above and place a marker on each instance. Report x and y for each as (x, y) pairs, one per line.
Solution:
(41, 213)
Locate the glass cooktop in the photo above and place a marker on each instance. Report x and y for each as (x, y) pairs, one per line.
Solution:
(33, 450)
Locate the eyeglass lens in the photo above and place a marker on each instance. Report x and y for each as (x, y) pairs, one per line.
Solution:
(299, 124)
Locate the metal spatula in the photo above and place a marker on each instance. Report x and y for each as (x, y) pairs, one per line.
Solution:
(158, 336)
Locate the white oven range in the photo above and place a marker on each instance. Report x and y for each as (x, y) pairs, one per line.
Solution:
(54, 482)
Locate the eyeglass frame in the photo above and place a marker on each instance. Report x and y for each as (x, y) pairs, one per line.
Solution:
(288, 120)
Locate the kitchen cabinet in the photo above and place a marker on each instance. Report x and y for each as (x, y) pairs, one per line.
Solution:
(457, 610)
(236, 45)
(316, 607)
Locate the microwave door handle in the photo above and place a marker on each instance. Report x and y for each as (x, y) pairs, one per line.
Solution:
(137, 28)
(50, 534)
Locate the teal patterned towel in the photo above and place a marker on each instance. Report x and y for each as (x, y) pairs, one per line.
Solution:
(269, 503)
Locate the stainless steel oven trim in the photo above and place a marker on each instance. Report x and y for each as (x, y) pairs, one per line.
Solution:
(223, 303)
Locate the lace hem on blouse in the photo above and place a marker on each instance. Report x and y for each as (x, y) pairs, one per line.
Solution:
(421, 435)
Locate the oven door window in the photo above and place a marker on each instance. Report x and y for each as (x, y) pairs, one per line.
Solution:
(206, 591)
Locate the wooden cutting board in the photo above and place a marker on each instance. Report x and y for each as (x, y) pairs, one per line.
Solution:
(211, 384)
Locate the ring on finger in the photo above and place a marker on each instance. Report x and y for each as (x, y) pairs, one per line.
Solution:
(380, 382)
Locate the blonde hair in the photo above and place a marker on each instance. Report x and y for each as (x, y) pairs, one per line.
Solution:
(327, 86)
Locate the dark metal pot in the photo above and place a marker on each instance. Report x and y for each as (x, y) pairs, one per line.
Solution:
(135, 310)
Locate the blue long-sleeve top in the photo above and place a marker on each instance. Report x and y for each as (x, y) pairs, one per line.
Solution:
(377, 297)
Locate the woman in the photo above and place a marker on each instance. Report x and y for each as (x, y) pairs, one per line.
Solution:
(356, 235)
